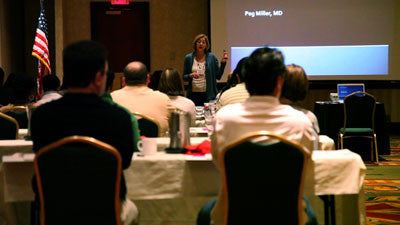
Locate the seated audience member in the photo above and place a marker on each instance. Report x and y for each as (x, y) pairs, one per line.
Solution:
(171, 83)
(264, 72)
(136, 96)
(82, 112)
(51, 84)
(8, 90)
(236, 93)
(295, 89)
(22, 87)
(155, 80)
(107, 97)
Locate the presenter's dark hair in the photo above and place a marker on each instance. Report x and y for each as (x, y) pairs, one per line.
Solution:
(295, 87)
(262, 69)
(134, 76)
(81, 61)
(51, 83)
(197, 39)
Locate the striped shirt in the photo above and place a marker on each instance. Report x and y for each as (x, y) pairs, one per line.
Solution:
(233, 95)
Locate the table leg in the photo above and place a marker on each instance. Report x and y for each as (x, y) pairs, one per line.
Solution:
(329, 209)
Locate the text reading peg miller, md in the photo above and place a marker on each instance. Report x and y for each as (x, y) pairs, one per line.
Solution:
(264, 13)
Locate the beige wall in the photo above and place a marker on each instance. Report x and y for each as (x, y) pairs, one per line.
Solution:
(7, 61)
(173, 25)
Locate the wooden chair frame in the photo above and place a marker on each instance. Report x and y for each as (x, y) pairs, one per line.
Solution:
(12, 120)
(139, 115)
(90, 141)
(249, 137)
(18, 108)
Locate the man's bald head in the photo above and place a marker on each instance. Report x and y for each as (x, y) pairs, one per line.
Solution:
(135, 73)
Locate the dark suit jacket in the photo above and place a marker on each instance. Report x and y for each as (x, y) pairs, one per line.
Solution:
(87, 115)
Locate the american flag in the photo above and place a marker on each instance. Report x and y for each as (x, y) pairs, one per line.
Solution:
(41, 49)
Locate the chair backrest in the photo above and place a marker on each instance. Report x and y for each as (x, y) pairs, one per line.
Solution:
(18, 108)
(19, 114)
(78, 182)
(8, 127)
(359, 110)
(148, 126)
(263, 181)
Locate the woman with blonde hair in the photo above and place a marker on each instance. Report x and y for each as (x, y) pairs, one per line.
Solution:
(172, 85)
(201, 69)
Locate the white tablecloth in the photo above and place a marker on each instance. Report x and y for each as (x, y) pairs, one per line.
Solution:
(9, 147)
(326, 143)
(185, 183)
(329, 164)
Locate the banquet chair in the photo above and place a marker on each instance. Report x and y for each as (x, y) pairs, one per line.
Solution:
(8, 127)
(78, 180)
(263, 176)
(359, 115)
(147, 126)
(19, 114)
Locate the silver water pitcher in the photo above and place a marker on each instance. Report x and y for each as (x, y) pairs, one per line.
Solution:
(179, 125)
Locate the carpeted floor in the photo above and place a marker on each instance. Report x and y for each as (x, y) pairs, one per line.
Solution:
(382, 188)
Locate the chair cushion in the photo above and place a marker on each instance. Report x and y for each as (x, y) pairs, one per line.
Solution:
(358, 131)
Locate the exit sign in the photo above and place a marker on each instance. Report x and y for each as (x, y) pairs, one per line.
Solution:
(119, 2)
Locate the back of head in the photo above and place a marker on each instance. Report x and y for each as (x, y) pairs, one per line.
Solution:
(10, 80)
(262, 69)
(24, 88)
(155, 79)
(233, 77)
(295, 87)
(50, 83)
(171, 82)
(82, 60)
(135, 73)
(239, 69)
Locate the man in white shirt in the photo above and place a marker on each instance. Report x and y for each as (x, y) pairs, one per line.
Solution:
(51, 83)
(136, 96)
(237, 93)
(264, 72)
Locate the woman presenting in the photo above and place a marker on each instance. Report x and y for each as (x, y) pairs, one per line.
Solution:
(202, 70)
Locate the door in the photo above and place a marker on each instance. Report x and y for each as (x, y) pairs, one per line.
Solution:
(124, 30)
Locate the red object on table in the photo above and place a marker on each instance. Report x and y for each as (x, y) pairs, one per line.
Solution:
(200, 149)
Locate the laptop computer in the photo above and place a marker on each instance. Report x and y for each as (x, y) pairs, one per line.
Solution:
(345, 89)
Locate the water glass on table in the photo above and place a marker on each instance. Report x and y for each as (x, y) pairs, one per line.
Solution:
(209, 119)
(210, 125)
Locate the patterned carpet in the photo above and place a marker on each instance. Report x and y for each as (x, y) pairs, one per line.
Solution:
(383, 195)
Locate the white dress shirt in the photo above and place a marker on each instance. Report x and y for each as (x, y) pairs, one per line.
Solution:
(48, 97)
(256, 113)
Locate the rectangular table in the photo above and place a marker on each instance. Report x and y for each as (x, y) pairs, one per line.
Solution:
(331, 118)
(171, 188)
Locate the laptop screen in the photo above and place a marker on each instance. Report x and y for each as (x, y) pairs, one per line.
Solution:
(346, 89)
